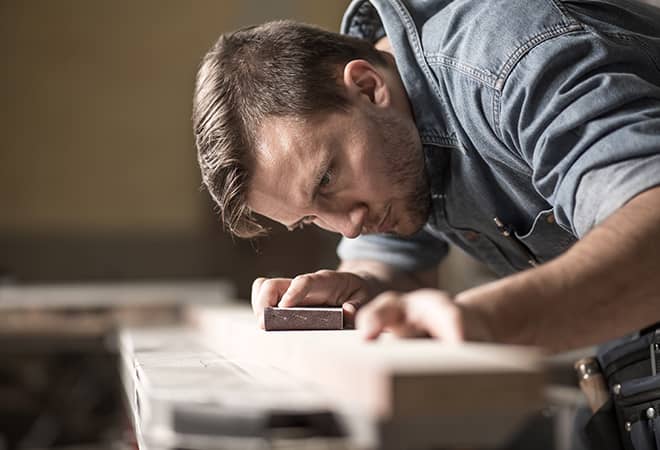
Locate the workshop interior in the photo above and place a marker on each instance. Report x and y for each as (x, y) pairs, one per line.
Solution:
(124, 305)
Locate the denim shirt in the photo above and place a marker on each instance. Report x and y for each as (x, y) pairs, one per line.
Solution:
(544, 114)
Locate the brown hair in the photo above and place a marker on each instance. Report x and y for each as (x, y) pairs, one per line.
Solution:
(279, 68)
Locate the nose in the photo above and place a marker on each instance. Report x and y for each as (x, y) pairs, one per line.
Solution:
(348, 223)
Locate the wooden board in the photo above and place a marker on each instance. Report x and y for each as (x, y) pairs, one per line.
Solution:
(182, 394)
(417, 389)
(92, 309)
(91, 295)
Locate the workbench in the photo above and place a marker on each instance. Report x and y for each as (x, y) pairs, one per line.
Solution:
(221, 382)
(198, 373)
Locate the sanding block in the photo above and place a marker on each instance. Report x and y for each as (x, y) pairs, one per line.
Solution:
(303, 318)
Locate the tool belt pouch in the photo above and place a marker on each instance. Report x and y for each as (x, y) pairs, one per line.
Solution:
(632, 371)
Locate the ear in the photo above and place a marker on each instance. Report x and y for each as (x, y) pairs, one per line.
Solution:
(362, 79)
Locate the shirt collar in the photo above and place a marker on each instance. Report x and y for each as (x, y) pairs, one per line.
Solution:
(368, 19)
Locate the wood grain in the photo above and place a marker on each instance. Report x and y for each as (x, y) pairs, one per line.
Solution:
(417, 389)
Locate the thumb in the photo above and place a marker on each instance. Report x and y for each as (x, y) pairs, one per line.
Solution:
(350, 309)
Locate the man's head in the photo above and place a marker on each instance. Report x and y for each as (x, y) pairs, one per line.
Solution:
(303, 125)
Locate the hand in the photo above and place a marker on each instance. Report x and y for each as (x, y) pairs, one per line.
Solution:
(425, 312)
(325, 287)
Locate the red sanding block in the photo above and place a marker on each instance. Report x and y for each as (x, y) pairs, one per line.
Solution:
(303, 318)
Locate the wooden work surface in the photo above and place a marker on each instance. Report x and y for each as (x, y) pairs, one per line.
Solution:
(420, 391)
(92, 309)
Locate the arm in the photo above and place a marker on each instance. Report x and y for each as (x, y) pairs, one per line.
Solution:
(590, 138)
(607, 285)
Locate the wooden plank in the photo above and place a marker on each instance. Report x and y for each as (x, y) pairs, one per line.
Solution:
(447, 390)
(184, 395)
(92, 309)
(91, 295)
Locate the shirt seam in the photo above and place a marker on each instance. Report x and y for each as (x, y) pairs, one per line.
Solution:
(481, 75)
(534, 41)
(439, 140)
(497, 109)
(517, 56)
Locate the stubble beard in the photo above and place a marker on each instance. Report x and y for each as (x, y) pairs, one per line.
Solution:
(404, 164)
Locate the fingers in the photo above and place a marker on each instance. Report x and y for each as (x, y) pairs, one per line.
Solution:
(385, 311)
(267, 292)
(435, 313)
(325, 287)
(419, 313)
(303, 290)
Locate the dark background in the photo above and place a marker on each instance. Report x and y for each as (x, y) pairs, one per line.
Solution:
(98, 175)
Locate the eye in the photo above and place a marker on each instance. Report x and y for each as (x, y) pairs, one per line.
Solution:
(325, 179)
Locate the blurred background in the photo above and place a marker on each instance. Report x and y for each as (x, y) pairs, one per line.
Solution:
(99, 183)
(98, 173)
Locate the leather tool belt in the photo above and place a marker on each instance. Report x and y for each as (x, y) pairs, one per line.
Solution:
(630, 419)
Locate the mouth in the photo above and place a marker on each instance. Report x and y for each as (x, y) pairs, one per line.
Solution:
(384, 223)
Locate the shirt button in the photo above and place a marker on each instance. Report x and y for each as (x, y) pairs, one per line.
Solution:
(471, 235)
(550, 218)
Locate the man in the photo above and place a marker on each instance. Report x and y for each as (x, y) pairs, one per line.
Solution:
(526, 132)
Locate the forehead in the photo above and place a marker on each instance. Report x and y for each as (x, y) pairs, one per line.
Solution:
(288, 154)
(283, 138)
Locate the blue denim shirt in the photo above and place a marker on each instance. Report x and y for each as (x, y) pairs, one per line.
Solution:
(542, 113)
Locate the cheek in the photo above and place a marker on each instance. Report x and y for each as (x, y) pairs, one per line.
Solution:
(375, 186)
(375, 178)
(381, 167)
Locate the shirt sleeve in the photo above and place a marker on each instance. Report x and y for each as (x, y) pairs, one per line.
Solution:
(411, 254)
(584, 111)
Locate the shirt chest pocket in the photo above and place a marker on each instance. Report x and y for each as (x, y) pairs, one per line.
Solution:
(546, 239)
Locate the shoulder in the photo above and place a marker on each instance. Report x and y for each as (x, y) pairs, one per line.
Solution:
(489, 37)
(479, 37)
